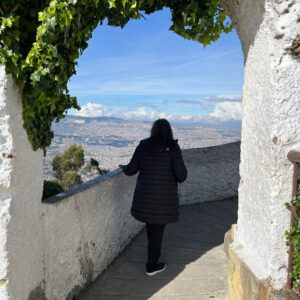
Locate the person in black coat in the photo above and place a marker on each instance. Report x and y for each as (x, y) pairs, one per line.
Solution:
(158, 159)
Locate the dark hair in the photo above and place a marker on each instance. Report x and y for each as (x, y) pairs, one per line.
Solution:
(161, 128)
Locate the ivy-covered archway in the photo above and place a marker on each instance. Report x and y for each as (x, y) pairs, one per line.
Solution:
(41, 41)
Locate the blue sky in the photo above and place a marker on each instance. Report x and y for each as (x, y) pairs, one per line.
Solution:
(145, 71)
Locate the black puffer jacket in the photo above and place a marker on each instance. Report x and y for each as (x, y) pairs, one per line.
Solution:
(161, 168)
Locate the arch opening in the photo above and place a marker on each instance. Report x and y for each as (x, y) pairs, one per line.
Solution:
(156, 74)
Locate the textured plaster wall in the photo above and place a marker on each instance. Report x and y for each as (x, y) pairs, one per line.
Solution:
(270, 128)
(86, 231)
(213, 173)
(21, 175)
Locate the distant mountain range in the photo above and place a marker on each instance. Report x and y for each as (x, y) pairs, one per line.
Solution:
(206, 122)
(112, 140)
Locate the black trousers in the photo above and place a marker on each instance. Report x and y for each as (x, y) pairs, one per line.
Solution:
(155, 236)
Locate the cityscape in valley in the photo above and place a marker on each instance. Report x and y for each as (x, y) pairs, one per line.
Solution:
(111, 141)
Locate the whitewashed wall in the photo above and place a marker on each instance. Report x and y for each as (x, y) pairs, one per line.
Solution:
(85, 230)
(270, 129)
(21, 182)
(213, 173)
(87, 227)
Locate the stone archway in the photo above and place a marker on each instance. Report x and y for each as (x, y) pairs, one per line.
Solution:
(270, 128)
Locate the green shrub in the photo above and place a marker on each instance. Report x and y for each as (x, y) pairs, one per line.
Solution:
(66, 166)
(293, 240)
(95, 164)
(70, 179)
(51, 188)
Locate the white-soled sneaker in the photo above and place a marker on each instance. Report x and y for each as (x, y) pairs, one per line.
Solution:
(159, 267)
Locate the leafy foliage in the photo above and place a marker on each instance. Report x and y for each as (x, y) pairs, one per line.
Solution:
(70, 179)
(293, 240)
(66, 166)
(87, 168)
(41, 40)
(51, 188)
(94, 164)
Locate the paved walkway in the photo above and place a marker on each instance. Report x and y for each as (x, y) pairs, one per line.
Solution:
(193, 251)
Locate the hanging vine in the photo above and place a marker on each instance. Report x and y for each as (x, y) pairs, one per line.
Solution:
(293, 239)
(41, 40)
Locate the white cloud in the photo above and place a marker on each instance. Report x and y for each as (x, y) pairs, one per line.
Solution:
(224, 98)
(223, 111)
(226, 111)
(142, 113)
(92, 110)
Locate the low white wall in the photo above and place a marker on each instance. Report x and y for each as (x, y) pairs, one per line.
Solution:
(85, 230)
(213, 173)
(87, 227)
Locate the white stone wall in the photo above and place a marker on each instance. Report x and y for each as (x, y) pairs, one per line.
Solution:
(213, 173)
(21, 177)
(85, 231)
(270, 128)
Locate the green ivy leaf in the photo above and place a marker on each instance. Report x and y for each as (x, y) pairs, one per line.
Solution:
(40, 46)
